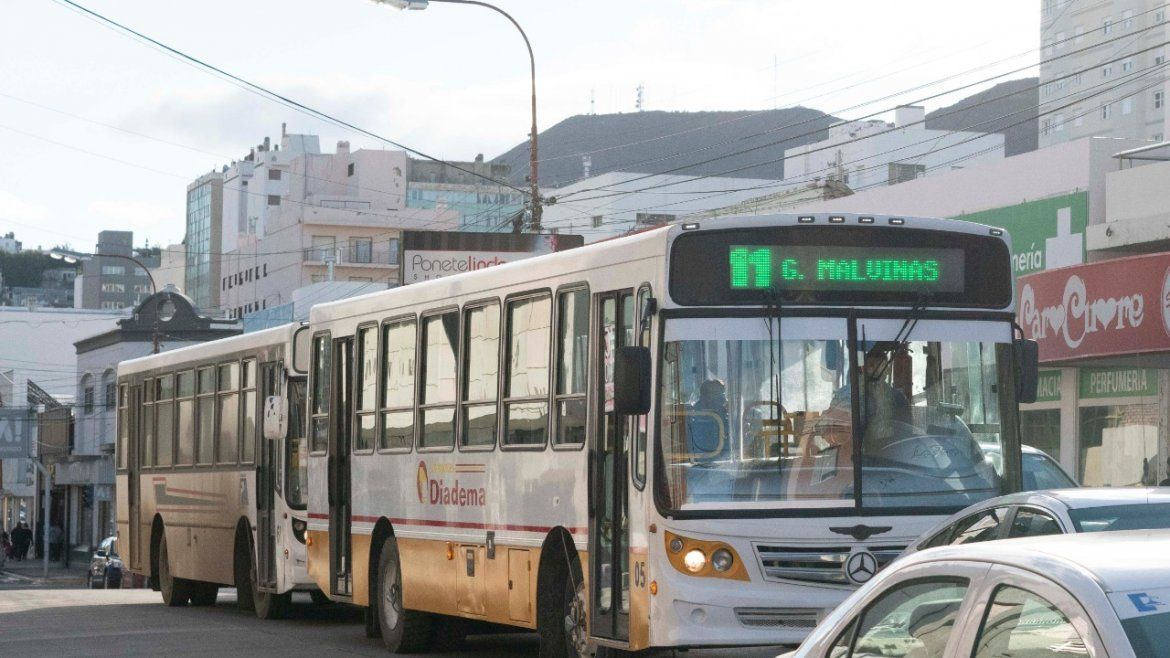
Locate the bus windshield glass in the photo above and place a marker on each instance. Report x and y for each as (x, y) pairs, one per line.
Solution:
(296, 448)
(758, 413)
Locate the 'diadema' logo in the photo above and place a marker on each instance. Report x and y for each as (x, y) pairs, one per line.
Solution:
(423, 479)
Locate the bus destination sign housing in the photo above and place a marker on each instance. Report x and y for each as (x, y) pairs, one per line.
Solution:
(840, 266)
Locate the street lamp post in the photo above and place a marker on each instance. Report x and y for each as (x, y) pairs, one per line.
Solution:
(533, 177)
(76, 256)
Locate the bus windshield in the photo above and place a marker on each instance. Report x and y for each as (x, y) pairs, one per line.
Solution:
(762, 414)
(296, 448)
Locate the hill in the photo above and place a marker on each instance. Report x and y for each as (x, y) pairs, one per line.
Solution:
(656, 142)
(996, 114)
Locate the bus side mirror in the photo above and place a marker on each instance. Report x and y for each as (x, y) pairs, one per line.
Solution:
(1027, 353)
(631, 381)
(275, 417)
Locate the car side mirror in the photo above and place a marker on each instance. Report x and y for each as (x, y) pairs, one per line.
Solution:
(1027, 353)
(631, 381)
(275, 417)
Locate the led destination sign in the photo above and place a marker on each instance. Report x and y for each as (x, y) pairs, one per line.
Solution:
(820, 267)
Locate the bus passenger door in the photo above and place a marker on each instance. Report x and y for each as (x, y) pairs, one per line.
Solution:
(609, 603)
(341, 411)
(133, 485)
(267, 454)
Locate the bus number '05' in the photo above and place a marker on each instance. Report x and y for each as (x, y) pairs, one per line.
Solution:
(639, 574)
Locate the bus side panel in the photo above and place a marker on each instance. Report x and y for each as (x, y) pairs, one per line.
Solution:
(122, 515)
(200, 512)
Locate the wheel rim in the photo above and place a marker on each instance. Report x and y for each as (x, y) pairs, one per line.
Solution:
(391, 595)
(576, 633)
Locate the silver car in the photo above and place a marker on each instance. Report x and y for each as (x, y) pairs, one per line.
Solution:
(1101, 595)
(1052, 512)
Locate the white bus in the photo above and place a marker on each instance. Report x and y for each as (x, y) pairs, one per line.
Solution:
(203, 501)
(692, 436)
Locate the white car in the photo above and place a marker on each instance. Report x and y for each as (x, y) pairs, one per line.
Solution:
(1103, 595)
(1054, 512)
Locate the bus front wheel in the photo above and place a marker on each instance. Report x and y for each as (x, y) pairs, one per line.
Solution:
(403, 631)
(562, 625)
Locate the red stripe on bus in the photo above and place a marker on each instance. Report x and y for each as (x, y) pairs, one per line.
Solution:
(196, 493)
(454, 524)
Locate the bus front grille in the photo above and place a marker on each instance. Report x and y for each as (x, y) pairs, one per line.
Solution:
(778, 618)
(816, 564)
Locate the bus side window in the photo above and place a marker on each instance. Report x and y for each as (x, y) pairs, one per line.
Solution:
(322, 373)
(164, 415)
(366, 418)
(205, 414)
(398, 372)
(248, 412)
(572, 364)
(529, 330)
(440, 342)
(228, 411)
(185, 408)
(146, 454)
(123, 426)
(481, 381)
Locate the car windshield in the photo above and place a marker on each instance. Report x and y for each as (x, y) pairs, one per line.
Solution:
(760, 413)
(1134, 516)
(1041, 472)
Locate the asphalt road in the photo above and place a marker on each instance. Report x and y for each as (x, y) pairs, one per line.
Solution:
(79, 622)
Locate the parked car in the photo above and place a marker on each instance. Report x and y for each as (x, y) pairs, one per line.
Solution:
(1104, 594)
(1039, 470)
(105, 567)
(1053, 512)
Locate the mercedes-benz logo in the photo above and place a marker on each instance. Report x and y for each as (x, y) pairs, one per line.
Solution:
(860, 567)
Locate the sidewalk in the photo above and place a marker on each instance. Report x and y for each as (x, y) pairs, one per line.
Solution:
(29, 574)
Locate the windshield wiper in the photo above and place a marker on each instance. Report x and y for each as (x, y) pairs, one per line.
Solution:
(902, 338)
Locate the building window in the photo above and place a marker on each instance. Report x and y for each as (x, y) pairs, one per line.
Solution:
(113, 287)
(113, 270)
(87, 395)
(1106, 71)
(394, 251)
(349, 170)
(273, 174)
(361, 250)
(1058, 123)
(274, 199)
(1157, 137)
(1127, 106)
(1159, 56)
(901, 172)
(1160, 16)
(1158, 99)
(597, 221)
(265, 267)
(1127, 19)
(1107, 26)
(1127, 65)
(1105, 111)
(111, 389)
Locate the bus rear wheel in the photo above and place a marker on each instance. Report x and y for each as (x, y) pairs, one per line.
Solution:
(403, 631)
(175, 591)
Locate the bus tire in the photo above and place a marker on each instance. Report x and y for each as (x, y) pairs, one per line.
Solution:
(203, 593)
(242, 569)
(403, 631)
(268, 605)
(561, 614)
(175, 591)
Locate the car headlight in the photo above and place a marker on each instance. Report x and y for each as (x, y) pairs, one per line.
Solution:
(695, 560)
(722, 560)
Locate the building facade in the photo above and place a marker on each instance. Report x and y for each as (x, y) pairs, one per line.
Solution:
(867, 154)
(1098, 71)
(204, 240)
(481, 206)
(109, 282)
(9, 244)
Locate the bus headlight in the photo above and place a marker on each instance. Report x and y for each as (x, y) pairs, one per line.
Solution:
(298, 527)
(694, 560)
(704, 558)
(721, 560)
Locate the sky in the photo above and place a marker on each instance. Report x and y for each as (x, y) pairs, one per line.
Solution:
(98, 131)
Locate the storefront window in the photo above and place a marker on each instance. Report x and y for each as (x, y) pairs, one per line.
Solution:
(1041, 430)
(1121, 445)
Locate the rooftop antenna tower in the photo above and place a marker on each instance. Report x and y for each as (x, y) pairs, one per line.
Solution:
(638, 103)
(586, 165)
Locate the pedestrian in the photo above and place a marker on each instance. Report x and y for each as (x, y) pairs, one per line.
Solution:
(5, 547)
(21, 539)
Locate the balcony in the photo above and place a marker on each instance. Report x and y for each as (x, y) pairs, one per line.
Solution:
(376, 255)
